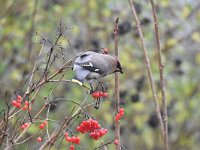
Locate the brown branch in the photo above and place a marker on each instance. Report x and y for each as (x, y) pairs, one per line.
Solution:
(47, 80)
(148, 66)
(4, 134)
(117, 99)
(161, 67)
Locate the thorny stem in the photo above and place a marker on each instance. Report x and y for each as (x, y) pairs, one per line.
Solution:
(161, 67)
(117, 100)
(148, 66)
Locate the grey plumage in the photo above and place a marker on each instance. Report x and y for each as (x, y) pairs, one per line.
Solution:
(90, 66)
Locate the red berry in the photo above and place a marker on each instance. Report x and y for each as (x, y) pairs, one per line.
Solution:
(19, 97)
(23, 127)
(106, 131)
(101, 132)
(18, 105)
(72, 147)
(96, 137)
(66, 134)
(117, 117)
(101, 94)
(68, 139)
(96, 124)
(24, 108)
(26, 103)
(116, 142)
(105, 94)
(45, 123)
(92, 134)
(121, 113)
(96, 95)
(121, 110)
(26, 124)
(14, 103)
(77, 141)
(73, 139)
(41, 126)
(39, 139)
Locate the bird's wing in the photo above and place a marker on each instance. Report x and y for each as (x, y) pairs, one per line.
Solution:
(84, 54)
(81, 73)
(87, 61)
(92, 67)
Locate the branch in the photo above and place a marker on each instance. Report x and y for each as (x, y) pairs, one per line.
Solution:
(161, 67)
(117, 99)
(148, 66)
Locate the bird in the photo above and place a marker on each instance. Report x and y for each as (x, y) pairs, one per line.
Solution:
(91, 66)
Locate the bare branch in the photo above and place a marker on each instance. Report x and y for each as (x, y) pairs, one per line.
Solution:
(117, 85)
(148, 66)
(162, 81)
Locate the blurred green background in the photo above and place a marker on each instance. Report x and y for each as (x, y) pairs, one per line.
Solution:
(90, 25)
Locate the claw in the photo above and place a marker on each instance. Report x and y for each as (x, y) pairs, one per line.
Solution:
(97, 104)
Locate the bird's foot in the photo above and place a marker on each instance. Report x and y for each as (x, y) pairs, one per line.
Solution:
(97, 104)
(102, 86)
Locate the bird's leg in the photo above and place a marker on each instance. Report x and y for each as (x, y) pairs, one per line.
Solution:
(97, 104)
(103, 86)
(91, 88)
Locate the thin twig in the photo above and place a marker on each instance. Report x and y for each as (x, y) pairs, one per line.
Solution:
(6, 126)
(148, 66)
(161, 67)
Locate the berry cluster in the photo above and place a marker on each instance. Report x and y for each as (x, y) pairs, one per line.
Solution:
(42, 125)
(96, 134)
(18, 102)
(119, 114)
(73, 139)
(99, 94)
(26, 106)
(24, 126)
(93, 127)
(88, 126)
